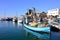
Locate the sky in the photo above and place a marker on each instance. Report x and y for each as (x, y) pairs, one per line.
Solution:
(9, 8)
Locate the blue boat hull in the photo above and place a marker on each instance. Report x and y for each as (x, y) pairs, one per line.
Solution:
(44, 29)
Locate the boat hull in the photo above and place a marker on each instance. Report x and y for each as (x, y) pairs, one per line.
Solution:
(44, 29)
(20, 21)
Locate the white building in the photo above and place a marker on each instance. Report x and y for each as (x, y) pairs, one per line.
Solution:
(54, 12)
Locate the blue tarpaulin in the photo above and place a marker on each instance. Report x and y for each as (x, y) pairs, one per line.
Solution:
(58, 18)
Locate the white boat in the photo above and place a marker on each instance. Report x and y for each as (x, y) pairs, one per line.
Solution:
(14, 19)
(20, 20)
(56, 24)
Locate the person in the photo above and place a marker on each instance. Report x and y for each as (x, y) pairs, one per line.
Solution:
(35, 18)
(28, 17)
(41, 20)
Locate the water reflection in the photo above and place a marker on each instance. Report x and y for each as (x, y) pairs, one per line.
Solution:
(5, 23)
(20, 24)
(15, 32)
(55, 35)
(36, 36)
(14, 24)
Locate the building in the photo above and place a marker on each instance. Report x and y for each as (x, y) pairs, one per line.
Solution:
(54, 12)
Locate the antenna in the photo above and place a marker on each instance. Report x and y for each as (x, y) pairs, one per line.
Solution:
(34, 10)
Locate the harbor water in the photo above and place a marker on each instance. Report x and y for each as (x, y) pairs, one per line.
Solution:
(55, 35)
(16, 31)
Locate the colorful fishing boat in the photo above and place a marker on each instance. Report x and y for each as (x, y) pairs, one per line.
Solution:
(43, 29)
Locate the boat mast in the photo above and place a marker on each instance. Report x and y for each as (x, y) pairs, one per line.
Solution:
(16, 14)
(5, 14)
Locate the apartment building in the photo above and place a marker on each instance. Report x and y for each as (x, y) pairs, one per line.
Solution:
(54, 12)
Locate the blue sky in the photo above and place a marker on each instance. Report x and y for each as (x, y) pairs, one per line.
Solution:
(10, 7)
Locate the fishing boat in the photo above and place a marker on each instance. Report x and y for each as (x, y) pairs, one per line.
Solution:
(43, 29)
